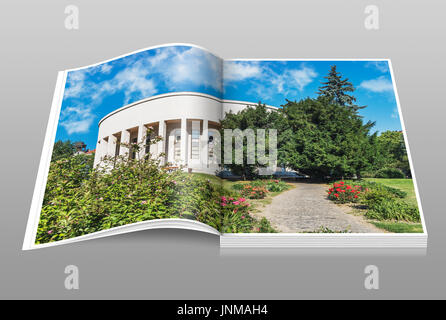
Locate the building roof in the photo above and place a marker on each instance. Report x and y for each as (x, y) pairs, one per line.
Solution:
(173, 94)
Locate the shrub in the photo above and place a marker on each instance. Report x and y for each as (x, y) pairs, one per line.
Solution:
(257, 189)
(371, 185)
(344, 193)
(276, 186)
(393, 209)
(252, 192)
(264, 226)
(392, 173)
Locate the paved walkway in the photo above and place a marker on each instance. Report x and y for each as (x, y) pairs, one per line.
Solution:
(306, 208)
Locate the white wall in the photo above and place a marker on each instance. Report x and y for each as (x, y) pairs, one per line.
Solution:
(161, 108)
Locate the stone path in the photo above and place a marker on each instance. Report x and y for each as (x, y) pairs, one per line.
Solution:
(306, 208)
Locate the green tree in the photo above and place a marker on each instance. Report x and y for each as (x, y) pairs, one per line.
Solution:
(258, 117)
(336, 89)
(392, 148)
(321, 138)
(62, 149)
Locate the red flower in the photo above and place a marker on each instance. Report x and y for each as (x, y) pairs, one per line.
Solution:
(336, 195)
(356, 196)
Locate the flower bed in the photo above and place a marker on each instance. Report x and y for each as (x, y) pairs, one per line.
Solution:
(344, 193)
(382, 202)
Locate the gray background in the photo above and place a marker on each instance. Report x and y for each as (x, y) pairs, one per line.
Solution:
(181, 264)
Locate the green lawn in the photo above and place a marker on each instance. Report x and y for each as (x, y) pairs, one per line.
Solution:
(399, 227)
(402, 184)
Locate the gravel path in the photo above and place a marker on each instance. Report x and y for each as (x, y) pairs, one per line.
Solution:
(306, 208)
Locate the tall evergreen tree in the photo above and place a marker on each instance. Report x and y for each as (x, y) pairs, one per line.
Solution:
(336, 88)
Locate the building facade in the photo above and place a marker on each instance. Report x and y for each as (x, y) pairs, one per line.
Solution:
(187, 122)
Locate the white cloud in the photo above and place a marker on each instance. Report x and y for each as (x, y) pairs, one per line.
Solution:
(234, 71)
(138, 78)
(381, 66)
(303, 76)
(265, 81)
(79, 126)
(380, 84)
(76, 119)
(106, 68)
(192, 66)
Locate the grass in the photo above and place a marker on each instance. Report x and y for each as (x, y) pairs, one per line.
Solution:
(226, 184)
(402, 184)
(399, 227)
(407, 186)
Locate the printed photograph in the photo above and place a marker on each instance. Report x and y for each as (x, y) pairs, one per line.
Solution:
(242, 146)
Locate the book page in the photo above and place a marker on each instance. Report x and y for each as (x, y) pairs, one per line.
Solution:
(321, 148)
(130, 141)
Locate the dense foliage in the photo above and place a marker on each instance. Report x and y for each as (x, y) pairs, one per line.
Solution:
(254, 118)
(344, 193)
(392, 154)
(258, 189)
(382, 202)
(63, 149)
(80, 199)
(336, 88)
(325, 137)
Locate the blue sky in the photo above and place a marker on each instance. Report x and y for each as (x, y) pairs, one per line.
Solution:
(93, 92)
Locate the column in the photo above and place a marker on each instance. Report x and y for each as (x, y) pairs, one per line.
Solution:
(97, 154)
(183, 141)
(142, 133)
(204, 144)
(125, 139)
(111, 146)
(162, 143)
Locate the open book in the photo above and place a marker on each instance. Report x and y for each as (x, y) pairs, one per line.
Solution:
(262, 153)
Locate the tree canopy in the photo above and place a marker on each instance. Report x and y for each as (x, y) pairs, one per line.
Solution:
(336, 89)
(323, 136)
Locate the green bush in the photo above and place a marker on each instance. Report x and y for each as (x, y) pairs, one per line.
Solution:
(390, 173)
(342, 192)
(276, 186)
(264, 226)
(393, 209)
(80, 199)
(373, 186)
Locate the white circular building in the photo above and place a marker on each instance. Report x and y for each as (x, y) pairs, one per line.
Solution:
(188, 123)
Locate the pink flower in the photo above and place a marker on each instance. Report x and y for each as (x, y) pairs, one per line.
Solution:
(144, 202)
(50, 232)
(243, 217)
(223, 198)
(222, 204)
(242, 199)
(236, 203)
